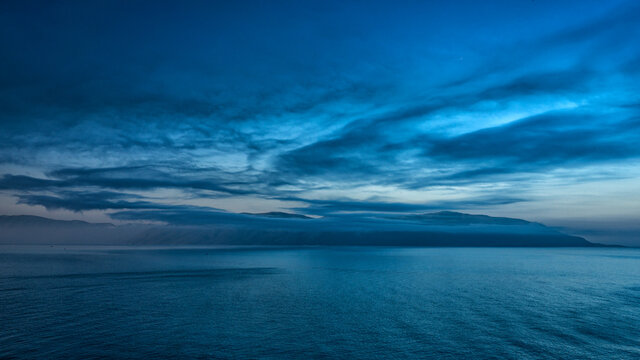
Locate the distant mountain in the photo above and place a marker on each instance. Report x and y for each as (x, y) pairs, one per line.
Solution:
(27, 229)
(444, 228)
(30, 220)
(457, 218)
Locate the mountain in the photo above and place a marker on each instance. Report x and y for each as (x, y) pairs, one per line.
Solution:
(456, 218)
(27, 229)
(444, 228)
(30, 220)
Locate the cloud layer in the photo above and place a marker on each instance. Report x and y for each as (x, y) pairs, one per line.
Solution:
(137, 110)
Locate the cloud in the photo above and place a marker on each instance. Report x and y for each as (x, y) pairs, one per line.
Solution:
(552, 139)
(119, 178)
(82, 201)
(298, 99)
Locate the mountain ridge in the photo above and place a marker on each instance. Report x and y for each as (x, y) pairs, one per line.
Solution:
(445, 228)
(15, 220)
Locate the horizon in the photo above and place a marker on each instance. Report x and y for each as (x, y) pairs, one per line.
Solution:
(138, 112)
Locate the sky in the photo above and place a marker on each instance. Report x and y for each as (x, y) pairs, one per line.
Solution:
(128, 111)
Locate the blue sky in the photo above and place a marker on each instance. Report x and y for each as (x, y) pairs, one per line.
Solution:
(123, 111)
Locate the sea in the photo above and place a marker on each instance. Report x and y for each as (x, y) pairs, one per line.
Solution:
(73, 302)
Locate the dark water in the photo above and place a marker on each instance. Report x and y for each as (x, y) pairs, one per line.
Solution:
(319, 303)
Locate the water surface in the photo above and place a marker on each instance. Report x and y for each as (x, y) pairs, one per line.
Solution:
(337, 302)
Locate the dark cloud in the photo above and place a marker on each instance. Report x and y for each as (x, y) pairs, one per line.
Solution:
(21, 182)
(532, 144)
(82, 201)
(560, 139)
(124, 180)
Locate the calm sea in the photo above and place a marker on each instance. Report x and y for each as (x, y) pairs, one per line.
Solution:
(325, 302)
